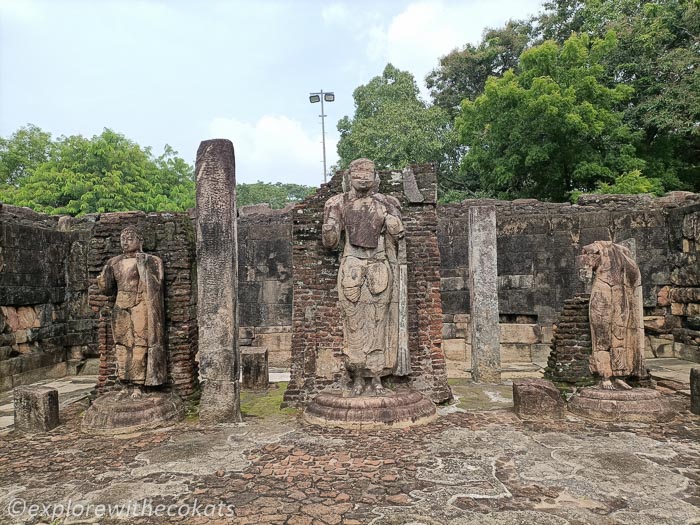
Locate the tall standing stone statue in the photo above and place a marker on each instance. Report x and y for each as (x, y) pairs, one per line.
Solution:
(616, 314)
(135, 279)
(617, 337)
(367, 227)
(138, 315)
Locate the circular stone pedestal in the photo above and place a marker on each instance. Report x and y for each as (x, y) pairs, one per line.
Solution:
(637, 405)
(109, 415)
(396, 410)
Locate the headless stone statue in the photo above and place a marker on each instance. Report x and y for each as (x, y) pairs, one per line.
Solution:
(138, 314)
(616, 314)
(367, 226)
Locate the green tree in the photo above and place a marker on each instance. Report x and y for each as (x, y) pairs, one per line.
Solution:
(554, 128)
(106, 173)
(277, 195)
(658, 56)
(463, 73)
(22, 152)
(394, 127)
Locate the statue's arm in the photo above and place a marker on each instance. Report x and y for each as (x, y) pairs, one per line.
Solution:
(106, 283)
(392, 221)
(332, 222)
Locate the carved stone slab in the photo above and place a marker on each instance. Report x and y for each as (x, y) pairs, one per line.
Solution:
(36, 408)
(537, 399)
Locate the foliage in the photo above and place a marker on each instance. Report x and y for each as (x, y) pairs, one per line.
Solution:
(76, 175)
(551, 129)
(27, 148)
(277, 195)
(658, 56)
(395, 128)
(630, 183)
(463, 73)
(105, 173)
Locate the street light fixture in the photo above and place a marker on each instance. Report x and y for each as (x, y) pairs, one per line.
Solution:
(322, 96)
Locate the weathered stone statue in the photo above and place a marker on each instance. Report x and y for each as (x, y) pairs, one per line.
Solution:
(616, 314)
(138, 316)
(367, 226)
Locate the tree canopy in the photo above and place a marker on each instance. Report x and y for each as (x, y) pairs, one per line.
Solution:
(75, 175)
(551, 129)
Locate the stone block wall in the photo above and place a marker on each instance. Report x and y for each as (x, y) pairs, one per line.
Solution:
(537, 246)
(169, 236)
(265, 281)
(43, 298)
(317, 334)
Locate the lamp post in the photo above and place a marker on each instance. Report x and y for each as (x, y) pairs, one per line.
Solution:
(322, 96)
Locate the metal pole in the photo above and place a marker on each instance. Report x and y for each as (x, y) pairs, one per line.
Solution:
(323, 137)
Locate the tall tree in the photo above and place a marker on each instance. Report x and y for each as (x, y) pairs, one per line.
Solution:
(554, 128)
(394, 127)
(463, 73)
(658, 55)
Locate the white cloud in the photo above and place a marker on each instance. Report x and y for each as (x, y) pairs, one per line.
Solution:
(275, 149)
(427, 30)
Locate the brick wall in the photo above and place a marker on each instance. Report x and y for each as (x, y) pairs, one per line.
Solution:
(317, 334)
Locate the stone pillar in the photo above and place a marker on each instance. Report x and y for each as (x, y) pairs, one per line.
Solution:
(36, 408)
(695, 391)
(483, 290)
(217, 282)
(255, 370)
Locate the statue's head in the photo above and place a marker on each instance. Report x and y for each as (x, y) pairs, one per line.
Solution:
(363, 175)
(131, 239)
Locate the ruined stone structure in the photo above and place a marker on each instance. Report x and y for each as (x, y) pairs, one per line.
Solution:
(53, 318)
(318, 339)
(217, 282)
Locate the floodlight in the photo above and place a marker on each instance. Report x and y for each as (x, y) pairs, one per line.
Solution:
(315, 98)
(329, 97)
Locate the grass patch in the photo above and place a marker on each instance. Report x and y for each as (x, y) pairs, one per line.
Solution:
(265, 403)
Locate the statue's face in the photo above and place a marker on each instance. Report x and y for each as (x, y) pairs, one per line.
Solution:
(362, 179)
(130, 242)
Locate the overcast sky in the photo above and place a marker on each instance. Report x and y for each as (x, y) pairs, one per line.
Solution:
(178, 72)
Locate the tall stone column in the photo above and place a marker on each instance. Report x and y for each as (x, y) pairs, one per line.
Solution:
(217, 282)
(483, 290)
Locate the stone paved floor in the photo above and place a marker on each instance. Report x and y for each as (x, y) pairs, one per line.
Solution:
(478, 464)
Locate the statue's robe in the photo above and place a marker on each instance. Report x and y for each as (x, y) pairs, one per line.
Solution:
(368, 280)
(138, 318)
(616, 312)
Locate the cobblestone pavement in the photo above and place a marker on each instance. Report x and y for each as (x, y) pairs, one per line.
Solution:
(469, 467)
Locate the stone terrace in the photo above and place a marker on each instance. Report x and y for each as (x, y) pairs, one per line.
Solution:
(481, 466)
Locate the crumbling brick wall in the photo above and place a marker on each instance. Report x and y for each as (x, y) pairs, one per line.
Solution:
(43, 298)
(317, 334)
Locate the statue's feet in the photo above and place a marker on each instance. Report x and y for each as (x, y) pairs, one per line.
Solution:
(377, 387)
(621, 385)
(137, 393)
(606, 384)
(358, 386)
(121, 394)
